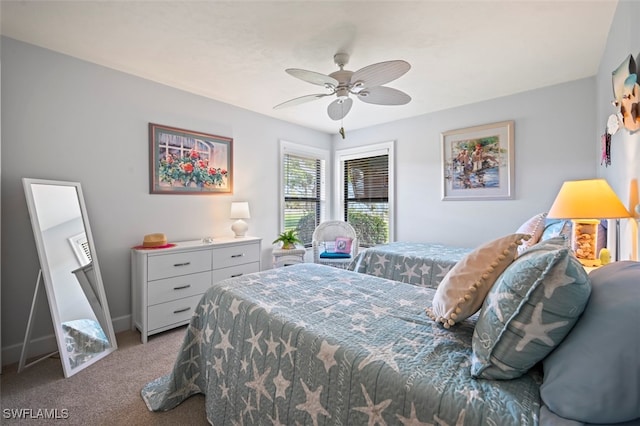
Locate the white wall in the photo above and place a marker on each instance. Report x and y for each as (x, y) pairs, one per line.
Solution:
(66, 119)
(624, 172)
(70, 120)
(554, 127)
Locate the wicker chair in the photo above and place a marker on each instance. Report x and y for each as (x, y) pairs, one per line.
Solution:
(328, 232)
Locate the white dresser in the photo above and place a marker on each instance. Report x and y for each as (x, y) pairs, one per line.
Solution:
(167, 284)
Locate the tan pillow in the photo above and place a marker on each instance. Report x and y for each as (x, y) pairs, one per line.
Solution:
(533, 227)
(463, 289)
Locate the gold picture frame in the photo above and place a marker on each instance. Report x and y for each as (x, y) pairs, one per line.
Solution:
(187, 162)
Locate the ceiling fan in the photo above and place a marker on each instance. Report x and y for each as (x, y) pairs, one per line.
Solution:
(366, 84)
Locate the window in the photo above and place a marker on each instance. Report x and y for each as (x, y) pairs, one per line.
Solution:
(303, 188)
(80, 247)
(366, 192)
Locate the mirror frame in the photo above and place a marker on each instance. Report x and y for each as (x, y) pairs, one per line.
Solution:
(47, 277)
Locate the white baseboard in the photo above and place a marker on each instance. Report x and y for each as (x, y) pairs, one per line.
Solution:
(46, 344)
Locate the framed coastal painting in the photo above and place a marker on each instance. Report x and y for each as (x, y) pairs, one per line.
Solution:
(188, 162)
(478, 162)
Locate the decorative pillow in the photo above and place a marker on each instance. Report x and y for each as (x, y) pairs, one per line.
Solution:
(534, 228)
(463, 289)
(530, 309)
(556, 228)
(594, 375)
(343, 245)
(329, 246)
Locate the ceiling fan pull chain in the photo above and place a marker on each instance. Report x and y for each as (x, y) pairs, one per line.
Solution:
(341, 131)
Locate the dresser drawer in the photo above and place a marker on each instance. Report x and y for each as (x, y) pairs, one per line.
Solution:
(168, 289)
(174, 264)
(235, 271)
(236, 255)
(174, 312)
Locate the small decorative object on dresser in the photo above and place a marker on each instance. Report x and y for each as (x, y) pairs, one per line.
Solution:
(167, 284)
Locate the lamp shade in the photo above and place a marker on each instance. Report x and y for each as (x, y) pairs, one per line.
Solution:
(587, 199)
(240, 210)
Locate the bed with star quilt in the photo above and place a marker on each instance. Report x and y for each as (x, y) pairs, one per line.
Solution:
(314, 345)
(422, 264)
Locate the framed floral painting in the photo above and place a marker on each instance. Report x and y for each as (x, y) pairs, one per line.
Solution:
(478, 162)
(187, 162)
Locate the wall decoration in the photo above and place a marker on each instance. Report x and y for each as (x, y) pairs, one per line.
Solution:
(613, 124)
(187, 162)
(605, 142)
(478, 162)
(626, 92)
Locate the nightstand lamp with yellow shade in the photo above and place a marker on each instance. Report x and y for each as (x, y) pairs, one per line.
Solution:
(586, 202)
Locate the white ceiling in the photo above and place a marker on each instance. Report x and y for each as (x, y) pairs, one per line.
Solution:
(236, 51)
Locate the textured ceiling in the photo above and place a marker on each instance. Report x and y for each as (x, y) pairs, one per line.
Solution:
(236, 52)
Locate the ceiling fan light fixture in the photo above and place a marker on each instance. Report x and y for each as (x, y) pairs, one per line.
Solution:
(343, 93)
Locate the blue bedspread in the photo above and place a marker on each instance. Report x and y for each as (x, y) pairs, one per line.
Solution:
(422, 264)
(311, 344)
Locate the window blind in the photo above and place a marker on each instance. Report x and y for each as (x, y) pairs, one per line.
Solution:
(303, 195)
(366, 195)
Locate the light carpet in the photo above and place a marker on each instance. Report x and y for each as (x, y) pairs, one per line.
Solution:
(106, 393)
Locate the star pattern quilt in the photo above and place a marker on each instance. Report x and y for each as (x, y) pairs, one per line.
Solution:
(421, 264)
(314, 345)
(84, 339)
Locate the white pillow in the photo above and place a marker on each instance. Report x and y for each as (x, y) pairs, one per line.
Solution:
(534, 227)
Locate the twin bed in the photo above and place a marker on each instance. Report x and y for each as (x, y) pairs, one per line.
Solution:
(312, 344)
(421, 264)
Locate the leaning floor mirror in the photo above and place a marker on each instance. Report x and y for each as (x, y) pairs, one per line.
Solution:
(70, 273)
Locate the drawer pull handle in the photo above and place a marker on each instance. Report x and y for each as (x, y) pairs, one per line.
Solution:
(236, 275)
(182, 264)
(182, 287)
(181, 310)
(237, 255)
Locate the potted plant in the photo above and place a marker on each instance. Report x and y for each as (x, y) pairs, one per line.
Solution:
(288, 239)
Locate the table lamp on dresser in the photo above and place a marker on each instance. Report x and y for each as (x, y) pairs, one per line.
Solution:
(240, 211)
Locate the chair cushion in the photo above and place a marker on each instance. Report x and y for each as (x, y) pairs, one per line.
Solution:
(334, 255)
(594, 375)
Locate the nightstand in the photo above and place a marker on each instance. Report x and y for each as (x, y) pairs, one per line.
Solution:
(288, 257)
(588, 269)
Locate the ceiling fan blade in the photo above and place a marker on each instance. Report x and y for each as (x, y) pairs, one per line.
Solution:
(380, 73)
(339, 108)
(312, 77)
(301, 100)
(382, 95)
